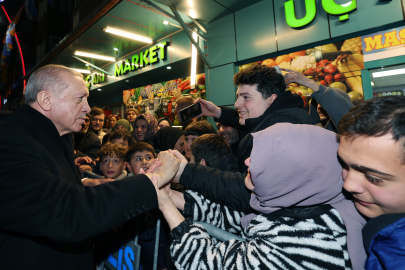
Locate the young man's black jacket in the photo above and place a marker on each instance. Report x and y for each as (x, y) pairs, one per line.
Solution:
(286, 108)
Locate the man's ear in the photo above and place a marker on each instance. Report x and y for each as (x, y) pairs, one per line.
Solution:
(128, 167)
(271, 99)
(202, 162)
(44, 99)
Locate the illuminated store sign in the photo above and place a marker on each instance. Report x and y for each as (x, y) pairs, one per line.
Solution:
(310, 5)
(151, 56)
(95, 78)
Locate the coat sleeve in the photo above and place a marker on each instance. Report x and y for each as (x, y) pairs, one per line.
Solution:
(38, 202)
(229, 117)
(201, 209)
(334, 104)
(220, 187)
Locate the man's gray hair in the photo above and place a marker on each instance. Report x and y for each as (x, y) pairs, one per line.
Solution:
(47, 78)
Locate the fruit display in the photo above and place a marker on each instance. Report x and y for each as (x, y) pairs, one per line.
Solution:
(167, 92)
(354, 45)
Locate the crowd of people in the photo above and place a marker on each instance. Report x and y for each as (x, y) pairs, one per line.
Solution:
(323, 189)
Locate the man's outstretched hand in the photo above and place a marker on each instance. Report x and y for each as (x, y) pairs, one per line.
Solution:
(183, 162)
(166, 170)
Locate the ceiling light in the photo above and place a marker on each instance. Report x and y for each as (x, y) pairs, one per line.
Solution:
(99, 89)
(127, 34)
(115, 49)
(165, 22)
(96, 56)
(82, 70)
(192, 13)
(389, 73)
(193, 62)
(87, 65)
(190, 3)
(169, 67)
(372, 83)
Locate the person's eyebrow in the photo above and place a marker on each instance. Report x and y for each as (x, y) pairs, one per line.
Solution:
(366, 169)
(241, 94)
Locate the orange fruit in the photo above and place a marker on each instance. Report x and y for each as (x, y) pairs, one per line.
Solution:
(283, 58)
(295, 54)
(269, 63)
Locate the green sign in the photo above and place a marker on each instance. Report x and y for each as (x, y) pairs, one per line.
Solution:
(94, 78)
(139, 61)
(310, 5)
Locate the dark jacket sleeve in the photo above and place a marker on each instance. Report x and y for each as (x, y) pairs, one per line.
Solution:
(38, 202)
(221, 187)
(228, 117)
(334, 104)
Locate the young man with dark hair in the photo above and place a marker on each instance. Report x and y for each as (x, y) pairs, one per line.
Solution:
(261, 101)
(372, 153)
(213, 151)
(97, 122)
(195, 130)
(121, 136)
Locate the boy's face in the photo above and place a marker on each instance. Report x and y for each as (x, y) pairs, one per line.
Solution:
(121, 141)
(140, 160)
(374, 173)
(112, 166)
(189, 140)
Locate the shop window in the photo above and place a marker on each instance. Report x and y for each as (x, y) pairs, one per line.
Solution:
(388, 81)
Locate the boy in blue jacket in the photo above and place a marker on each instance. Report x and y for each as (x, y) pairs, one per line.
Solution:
(372, 152)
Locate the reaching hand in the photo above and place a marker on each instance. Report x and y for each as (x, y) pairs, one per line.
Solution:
(297, 77)
(164, 172)
(96, 182)
(182, 165)
(83, 168)
(83, 160)
(209, 109)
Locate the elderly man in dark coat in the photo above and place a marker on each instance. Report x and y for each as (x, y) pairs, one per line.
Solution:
(47, 216)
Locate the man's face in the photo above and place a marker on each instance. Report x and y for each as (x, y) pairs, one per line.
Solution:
(97, 122)
(374, 173)
(229, 134)
(189, 140)
(323, 115)
(86, 124)
(69, 109)
(131, 115)
(250, 102)
(121, 141)
(140, 160)
(112, 166)
(141, 127)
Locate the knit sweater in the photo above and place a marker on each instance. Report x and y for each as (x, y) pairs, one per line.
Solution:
(272, 241)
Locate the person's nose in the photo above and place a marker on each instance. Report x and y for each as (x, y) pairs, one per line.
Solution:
(110, 164)
(238, 103)
(354, 183)
(247, 162)
(86, 107)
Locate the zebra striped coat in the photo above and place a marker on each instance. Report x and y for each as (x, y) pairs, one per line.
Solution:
(272, 242)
